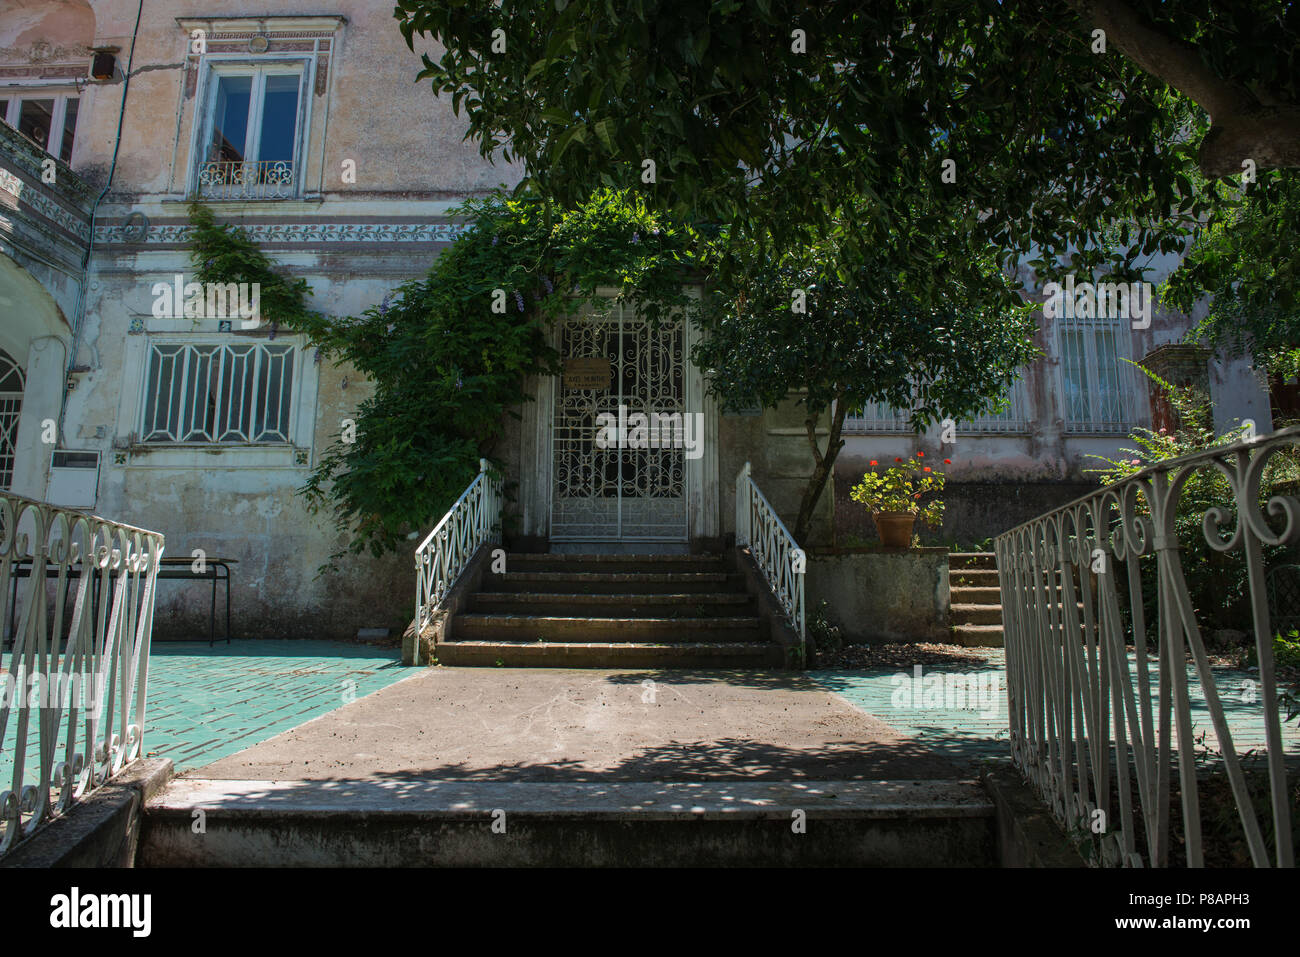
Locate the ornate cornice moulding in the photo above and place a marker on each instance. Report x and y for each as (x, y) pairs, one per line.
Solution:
(297, 233)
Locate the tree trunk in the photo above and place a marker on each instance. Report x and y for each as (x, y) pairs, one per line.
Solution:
(824, 465)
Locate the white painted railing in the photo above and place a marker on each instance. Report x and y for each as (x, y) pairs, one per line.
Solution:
(1084, 728)
(779, 557)
(78, 599)
(474, 520)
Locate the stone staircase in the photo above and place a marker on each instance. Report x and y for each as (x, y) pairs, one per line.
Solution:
(976, 611)
(611, 611)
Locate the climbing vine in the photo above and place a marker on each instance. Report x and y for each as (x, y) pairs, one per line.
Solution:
(447, 354)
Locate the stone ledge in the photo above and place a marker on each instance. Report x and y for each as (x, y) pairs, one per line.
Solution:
(1028, 834)
(102, 830)
(631, 800)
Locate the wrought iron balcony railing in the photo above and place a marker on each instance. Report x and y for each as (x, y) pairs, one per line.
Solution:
(246, 179)
(1096, 595)
(77, 609)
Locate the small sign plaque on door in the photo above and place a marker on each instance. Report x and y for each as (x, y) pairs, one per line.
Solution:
(587, 373)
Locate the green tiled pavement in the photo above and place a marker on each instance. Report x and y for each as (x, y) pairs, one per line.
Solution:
(206, 703)
(967, 735)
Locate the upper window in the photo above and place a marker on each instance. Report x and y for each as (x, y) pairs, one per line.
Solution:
(249, 141)
(213, 393)
(47, 119)
(1093, 375)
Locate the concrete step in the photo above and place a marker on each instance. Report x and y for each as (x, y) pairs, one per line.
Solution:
(609, 654)
(965, 614)
(616, 583)
(958, 560)
(414, 822)
(977, 636)
(975, 595)
(501, 627)
(981, 577)
(667, 605)
(547, 562)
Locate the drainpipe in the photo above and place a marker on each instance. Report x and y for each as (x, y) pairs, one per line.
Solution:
(78, 318)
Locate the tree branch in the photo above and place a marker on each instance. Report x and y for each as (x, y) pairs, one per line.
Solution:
(1241, 127)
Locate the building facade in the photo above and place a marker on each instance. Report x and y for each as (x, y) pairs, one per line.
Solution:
(305, 125)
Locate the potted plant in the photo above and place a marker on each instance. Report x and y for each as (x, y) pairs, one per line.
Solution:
(894, 497)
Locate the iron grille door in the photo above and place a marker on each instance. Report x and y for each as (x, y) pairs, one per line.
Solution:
(619, 494)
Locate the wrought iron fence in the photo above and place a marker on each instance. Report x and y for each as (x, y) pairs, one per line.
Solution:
(1096, 595)
(474, 520)
(246, 179)
(76, 608)
(779, 557)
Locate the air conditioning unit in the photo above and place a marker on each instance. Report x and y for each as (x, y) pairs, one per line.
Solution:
(74, 479)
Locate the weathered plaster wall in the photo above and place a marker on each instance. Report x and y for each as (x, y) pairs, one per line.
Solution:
(890, 594)
(353, 242)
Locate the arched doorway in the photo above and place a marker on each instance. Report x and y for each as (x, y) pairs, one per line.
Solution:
(11, 407)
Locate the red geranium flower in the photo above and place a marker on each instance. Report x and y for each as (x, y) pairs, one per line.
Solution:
(926, 469)
(947, 461)
(874, 462)
(920, 455)
(898, 460)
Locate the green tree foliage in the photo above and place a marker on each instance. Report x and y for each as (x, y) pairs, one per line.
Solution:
(1246, 260)
(874, 330)
(771, 112)
(445, 366)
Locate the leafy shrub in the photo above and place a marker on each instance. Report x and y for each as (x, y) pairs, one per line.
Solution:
(1216, 581)
(446, 367)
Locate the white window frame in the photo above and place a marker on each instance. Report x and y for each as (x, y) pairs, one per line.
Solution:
(1091, 368)
(296, 389)
(211, 71)
(60, 95)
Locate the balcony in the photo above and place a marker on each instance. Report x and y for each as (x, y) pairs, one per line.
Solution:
(246, 180)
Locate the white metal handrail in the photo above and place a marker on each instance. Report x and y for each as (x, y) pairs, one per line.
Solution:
(72, 702)
(474, 520)
(779, 557)
(1082, 707)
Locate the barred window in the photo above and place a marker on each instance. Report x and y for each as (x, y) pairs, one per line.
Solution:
(218, 393)
(1093, 376)
(1014, 418)
(11, 407)
(878, 417)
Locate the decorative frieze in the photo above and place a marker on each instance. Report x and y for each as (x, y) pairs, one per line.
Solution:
(303, 233)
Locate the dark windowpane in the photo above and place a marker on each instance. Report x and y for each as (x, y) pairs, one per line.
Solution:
(69, 128)
(230, 118)
(279, 118)
(4, 110)
(34, 118)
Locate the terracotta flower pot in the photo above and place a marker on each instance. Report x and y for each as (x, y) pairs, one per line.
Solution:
(894, 528)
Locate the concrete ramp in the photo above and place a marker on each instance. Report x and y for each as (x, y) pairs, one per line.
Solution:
(411, 822)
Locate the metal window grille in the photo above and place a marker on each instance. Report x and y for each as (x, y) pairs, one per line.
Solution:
(11, 407)
(218, 394)
(1095, 384)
